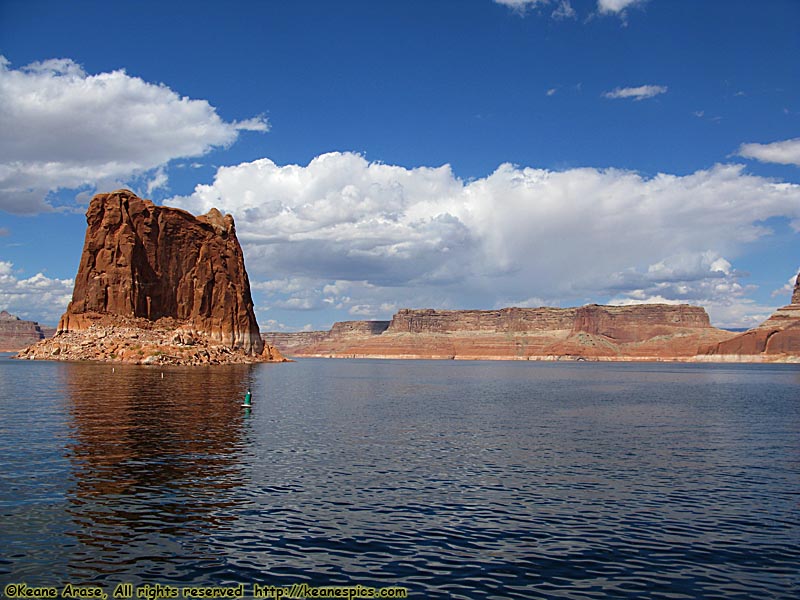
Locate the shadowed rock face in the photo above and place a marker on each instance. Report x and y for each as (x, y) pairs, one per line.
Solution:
(145, 261)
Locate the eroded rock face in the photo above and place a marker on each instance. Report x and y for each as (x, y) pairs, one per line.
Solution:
(503, 320)
(16, 334)
(345, 329)
(287, 342)
(146, 261)
(625, 324)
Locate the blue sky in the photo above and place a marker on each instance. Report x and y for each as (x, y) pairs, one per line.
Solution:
(380, 155)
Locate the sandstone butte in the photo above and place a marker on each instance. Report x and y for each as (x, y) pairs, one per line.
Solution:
(157, 285)
(654, 332)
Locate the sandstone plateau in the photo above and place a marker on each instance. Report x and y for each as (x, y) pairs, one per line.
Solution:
(157, 285)
(16, 334)
(625, 333)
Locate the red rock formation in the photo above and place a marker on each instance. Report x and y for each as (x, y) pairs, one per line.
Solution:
(16, 334)
(345, 329)
(591, 332)
(148, 261)
(625, 324)
(156, 284)
(287, 342)
(495, 321)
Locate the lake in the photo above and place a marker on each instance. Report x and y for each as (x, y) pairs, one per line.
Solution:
(449, 479)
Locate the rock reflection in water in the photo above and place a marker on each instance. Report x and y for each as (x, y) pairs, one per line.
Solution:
(153, 456)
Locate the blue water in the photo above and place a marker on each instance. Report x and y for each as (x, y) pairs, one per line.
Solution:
(451, 479)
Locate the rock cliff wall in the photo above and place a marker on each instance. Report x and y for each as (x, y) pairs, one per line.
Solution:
(639, 322)
(345, 329)
(288, 341)
(590, 332)
(16, 334)
(145, 261)
(505, 320)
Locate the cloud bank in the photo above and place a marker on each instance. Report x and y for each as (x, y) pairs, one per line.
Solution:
(367, 237)
(64, 128)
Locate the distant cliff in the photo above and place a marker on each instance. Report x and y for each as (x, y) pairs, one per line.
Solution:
(174, 282)
(641, 332)
(289, 342)
(593, 332)
(16, 334)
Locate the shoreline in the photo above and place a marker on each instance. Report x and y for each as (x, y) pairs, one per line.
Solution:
(711, 359)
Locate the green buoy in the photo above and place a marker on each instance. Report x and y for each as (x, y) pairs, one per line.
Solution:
(248, 399)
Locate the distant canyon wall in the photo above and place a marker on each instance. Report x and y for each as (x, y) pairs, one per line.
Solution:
(590, 332)
(16, 333)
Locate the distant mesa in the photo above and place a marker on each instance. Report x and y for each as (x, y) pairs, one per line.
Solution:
(157, 285)
(16, 334)
(647, 332)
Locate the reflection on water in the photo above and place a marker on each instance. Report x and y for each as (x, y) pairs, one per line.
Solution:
(153, 454)
(456, 480)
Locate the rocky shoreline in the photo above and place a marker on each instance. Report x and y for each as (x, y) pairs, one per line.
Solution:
(142, 342)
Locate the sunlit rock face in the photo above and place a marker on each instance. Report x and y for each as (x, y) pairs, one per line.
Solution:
(157, 285)
(148, 261)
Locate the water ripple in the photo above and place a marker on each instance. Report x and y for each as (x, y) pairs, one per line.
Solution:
(453, 480)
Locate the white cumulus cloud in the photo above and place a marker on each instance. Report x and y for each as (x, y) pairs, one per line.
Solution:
(637, 93)
(786, 152)
(64, 128)
(38, 297)
(362, 235)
